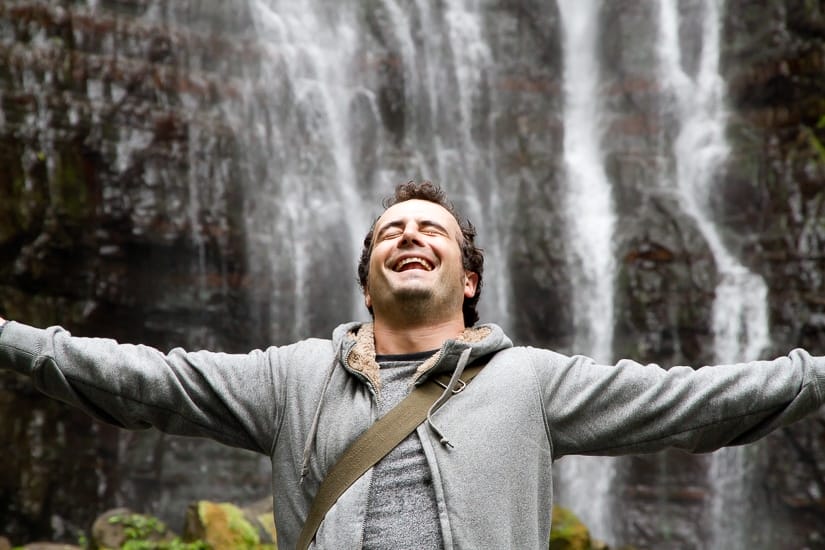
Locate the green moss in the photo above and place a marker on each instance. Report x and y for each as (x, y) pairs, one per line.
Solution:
(21, 203)
(143, 532)
(225, 526)
(70, 188)
(568, 532)
(816, 143)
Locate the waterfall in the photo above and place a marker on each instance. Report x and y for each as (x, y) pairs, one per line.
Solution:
(586, 481)
(447, 74)
(305, 216)
(740, 319)
(322, 148)
(473, 66)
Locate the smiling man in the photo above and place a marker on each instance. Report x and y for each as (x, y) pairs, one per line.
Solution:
(416, 282)
(478, 472)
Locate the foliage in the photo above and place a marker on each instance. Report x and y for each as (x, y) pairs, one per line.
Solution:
(138, 529)
(568, 532)
(816, 143)
(226, 527)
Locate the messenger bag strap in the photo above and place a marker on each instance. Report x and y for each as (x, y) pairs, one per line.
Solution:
(373, 445)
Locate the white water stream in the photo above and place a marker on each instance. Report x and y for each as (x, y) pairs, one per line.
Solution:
(740, 319)
(584, 482)
(307, 197)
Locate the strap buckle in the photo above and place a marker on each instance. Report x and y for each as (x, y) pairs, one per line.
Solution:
(457, 390)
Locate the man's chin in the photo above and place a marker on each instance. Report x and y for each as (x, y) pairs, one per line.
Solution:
(413, 293)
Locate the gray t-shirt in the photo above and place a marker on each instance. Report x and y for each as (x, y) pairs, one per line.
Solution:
(401, 510)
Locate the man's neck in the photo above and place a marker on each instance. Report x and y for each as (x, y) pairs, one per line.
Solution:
(395, 340)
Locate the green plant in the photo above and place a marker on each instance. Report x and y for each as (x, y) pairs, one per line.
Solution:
(816, 143)
(137, 526)
(139, 529)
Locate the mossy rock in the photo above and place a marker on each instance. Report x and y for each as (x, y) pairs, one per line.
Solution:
(568, 532)
(122, 527)
(224, 525)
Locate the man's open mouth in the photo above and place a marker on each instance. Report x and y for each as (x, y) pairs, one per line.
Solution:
(412, 263)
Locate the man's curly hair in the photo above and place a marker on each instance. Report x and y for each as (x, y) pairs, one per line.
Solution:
(472, 256)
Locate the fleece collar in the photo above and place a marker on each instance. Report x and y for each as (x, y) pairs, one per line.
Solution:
(361, 358)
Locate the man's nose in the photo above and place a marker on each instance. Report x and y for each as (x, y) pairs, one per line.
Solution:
(411, 234)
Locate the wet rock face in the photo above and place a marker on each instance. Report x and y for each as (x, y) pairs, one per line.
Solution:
(117, 219)
(775, 180)
(124, 191)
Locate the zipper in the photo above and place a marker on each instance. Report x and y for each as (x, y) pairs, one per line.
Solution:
(366, 510)
(374, 408)
(376, 393)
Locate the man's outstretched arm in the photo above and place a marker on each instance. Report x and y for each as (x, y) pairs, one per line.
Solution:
(228, 398)
(629, 408)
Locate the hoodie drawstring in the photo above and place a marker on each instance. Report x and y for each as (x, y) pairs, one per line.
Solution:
(313, 429)
(447, 394)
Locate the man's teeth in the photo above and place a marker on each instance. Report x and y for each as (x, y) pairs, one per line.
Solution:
(427, 265)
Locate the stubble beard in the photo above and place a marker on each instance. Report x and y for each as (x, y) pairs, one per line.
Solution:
(419, 304)
(416, 305)
(426, 304)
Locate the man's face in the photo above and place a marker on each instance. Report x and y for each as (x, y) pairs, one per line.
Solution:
(416, 265)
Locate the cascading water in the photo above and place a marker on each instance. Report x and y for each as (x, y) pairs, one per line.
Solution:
(315, 124)
(447, 76)
(585, 481)
(740, 320)
(306, 217)
(474, 173)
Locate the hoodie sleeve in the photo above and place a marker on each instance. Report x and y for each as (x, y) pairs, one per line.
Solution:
(230, 398)
(629, 408)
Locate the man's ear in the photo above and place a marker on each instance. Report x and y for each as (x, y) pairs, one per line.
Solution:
(470, 283)
(367, 299)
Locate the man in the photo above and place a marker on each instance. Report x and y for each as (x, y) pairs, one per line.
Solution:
(478, 474)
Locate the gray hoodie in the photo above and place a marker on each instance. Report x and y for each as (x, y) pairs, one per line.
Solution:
(302, 404)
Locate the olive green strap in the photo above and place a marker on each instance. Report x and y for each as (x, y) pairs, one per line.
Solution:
(372, 446)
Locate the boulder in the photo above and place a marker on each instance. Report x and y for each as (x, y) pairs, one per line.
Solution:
(114, 528)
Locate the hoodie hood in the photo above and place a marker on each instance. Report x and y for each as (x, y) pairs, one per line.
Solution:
(355, 343)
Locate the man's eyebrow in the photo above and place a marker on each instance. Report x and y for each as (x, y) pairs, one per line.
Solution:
(400, 223)
(432, 223)
(389, 225)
